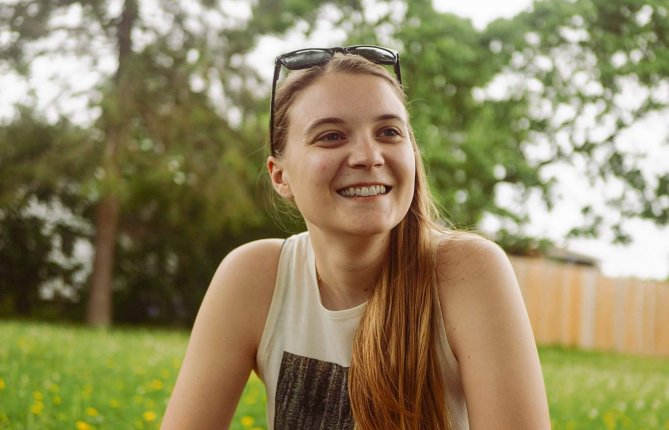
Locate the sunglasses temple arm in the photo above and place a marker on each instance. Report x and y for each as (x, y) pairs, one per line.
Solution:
(277, 71)
(397, 70)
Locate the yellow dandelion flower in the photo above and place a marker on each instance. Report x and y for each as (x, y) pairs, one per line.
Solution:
(149, 416)
(38, 396)
(247, 421)
(92, 412)
(82, 425)
(114, 403)
(156, 384)
(2, 384)
(37, 408)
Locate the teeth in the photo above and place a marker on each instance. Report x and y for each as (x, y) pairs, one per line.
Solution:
(373, 190)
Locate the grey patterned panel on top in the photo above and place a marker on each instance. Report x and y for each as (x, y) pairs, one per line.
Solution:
(312, 394)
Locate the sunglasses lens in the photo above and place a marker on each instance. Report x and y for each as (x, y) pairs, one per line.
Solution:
(374, 54)
(305, 58)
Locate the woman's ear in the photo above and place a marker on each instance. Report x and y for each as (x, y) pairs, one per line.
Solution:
(279, 177)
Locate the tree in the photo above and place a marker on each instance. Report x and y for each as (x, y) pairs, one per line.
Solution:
(39, 171)
(590, 70)
(489, 106)
(156, 110)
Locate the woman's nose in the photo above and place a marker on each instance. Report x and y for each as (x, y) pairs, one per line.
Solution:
(366, 153)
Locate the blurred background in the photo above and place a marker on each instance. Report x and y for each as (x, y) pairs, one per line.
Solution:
(132, 146)
(133, 136)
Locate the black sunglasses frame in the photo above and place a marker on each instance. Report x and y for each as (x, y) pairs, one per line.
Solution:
(365, 51)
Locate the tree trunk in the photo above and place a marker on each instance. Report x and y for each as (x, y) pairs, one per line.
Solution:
(99, 310)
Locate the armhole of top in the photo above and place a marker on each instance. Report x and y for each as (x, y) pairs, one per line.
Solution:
(441, 329)
(262, 355)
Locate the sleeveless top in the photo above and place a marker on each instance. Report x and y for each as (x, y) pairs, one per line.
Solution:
(305, 352)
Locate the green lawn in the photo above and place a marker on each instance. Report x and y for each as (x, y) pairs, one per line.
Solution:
(60, 377)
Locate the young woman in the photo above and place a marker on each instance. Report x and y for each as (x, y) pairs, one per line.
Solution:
(377, 317)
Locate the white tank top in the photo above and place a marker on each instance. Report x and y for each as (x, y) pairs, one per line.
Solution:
(305, 352)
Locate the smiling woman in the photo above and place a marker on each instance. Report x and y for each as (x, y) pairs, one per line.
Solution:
(339, 143)
(377, 316)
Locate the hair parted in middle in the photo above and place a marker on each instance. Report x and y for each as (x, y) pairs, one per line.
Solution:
(395, 380)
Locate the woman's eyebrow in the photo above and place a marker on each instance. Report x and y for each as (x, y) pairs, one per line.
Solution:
(335, 120)
(317, 123)
(389, 116)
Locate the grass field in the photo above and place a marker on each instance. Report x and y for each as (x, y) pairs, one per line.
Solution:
(61, 377)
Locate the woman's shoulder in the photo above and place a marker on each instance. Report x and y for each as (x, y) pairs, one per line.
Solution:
(244, 280)
(477, 285)
(466, 254)
(265, 248)
(489, 332)
(252, 265)
(247, 274)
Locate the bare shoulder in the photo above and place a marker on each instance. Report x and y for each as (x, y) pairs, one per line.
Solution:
(222, 347)
(490, 334)
(263, 252)
(254, 264)
(244, 280)
(470, 256)
(476, 281)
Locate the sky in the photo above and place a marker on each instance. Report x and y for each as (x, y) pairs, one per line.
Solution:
(646, 257)
(481, 12)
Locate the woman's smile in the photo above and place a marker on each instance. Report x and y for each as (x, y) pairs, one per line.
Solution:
(364, 191)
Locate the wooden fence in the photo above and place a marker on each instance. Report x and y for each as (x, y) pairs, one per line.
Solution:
(575, 305)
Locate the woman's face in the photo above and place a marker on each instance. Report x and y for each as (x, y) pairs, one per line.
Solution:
(348, 163)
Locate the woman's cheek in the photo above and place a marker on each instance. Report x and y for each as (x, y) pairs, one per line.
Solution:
(322, 166)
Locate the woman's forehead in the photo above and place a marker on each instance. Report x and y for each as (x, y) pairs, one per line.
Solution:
(346, 94)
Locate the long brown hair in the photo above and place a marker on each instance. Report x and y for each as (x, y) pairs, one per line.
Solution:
(395, 379)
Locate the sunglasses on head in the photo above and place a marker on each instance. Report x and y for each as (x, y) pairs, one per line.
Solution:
(310, 57)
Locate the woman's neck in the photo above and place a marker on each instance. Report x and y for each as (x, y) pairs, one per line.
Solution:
(347, 266)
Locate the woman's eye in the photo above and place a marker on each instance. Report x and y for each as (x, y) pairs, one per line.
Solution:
(390, 132)
(331, 137)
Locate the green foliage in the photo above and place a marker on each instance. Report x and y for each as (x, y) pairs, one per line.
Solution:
(516, 244)
(185, 175)
(441, 54)
(41, 169)
(590, 70)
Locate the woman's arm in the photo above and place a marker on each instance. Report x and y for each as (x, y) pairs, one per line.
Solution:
(490, 334)
(222, 348)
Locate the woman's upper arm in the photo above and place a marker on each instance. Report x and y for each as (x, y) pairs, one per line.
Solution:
(490, 333)
(222, 347)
